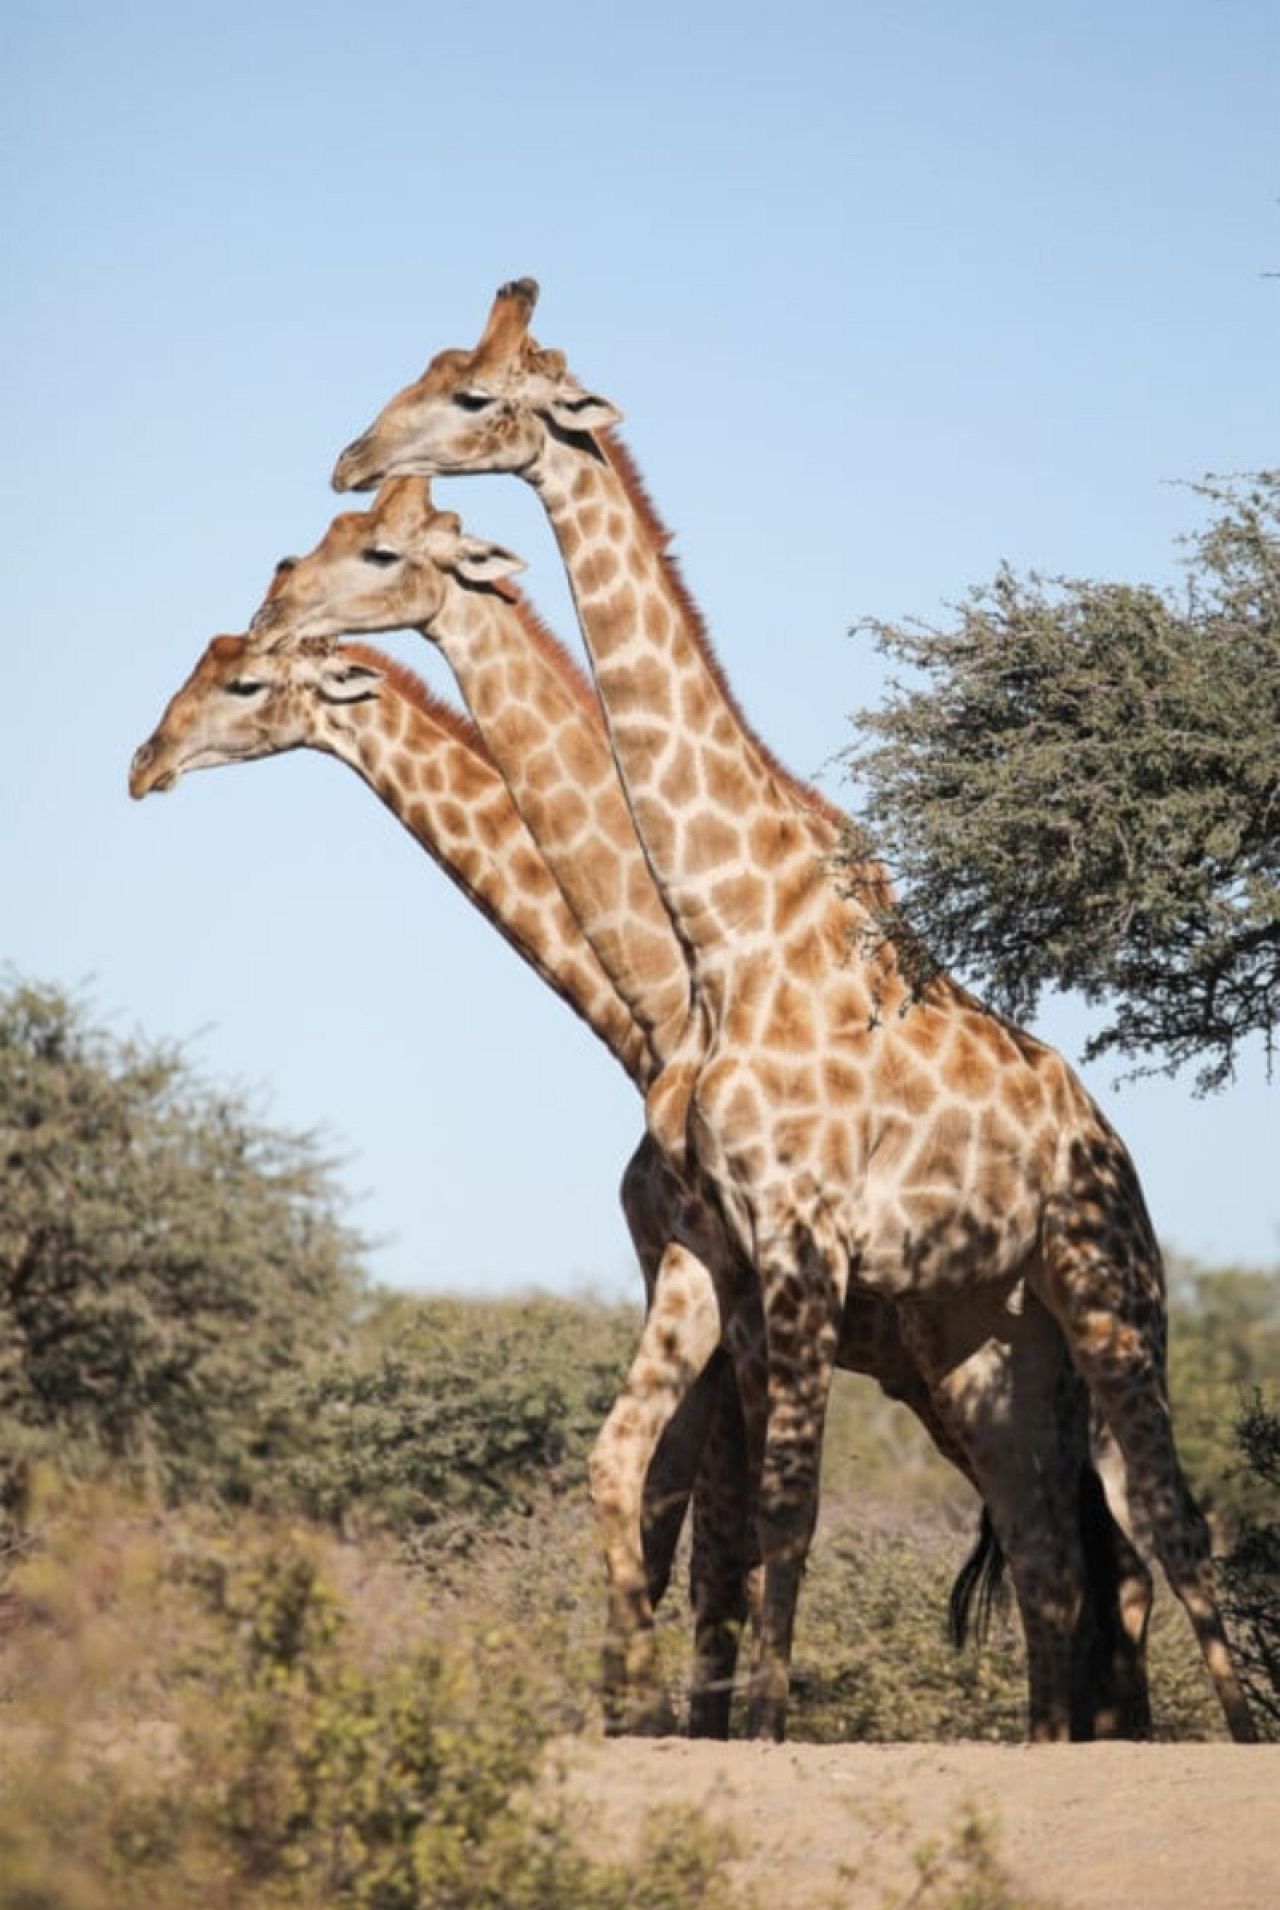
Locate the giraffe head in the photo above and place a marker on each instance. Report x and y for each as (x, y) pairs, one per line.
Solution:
(488, 409)
(242, 701)
(391, 567)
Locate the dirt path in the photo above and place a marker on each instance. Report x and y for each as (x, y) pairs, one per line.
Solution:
(1142, 1827)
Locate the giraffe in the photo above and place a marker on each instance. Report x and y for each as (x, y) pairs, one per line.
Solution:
(854, 1125)
(397, 564)
(427, 764)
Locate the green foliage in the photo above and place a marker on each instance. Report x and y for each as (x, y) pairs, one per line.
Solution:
(1224, 1344)
(1251, 1571)
(1083, 793)
(450, 1414)
(293, 1772)
(164, 1257)
(873, 1661)
(180, 1306)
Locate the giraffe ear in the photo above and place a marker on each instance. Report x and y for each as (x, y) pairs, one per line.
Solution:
(479, 563)
(341, 681)
(576, 410)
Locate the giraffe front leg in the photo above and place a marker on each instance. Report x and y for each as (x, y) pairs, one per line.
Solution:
(722, 1557)
(680, 1335)
(803, 1305)
(656, 1205)
(725, 1573)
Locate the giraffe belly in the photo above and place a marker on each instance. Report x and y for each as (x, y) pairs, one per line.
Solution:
(927, 1240)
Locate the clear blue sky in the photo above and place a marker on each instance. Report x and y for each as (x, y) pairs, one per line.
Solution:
(887, 294)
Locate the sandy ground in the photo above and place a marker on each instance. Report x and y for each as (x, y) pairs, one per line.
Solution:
(1164, 1826)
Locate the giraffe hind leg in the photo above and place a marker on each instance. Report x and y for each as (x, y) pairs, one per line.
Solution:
(1113, 1318)
(685, 1466)
(1028, 1484)
(1112, 1691)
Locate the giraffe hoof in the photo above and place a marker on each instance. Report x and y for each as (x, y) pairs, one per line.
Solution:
(640, 1715)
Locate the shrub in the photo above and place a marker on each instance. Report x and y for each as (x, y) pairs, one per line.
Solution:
(448, 1415)
(164, 1257)
(873, 1660)
(1224, 1344)
(1079, 792)
(296, 1763)
(1251, 1570)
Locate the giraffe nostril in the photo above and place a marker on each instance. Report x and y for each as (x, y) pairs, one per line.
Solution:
(346, 471)
(138, 767)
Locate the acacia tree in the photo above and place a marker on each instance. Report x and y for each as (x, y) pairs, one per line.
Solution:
(165, 1257)
(1084, 791)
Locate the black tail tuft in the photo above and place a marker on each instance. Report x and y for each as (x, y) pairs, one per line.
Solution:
(980, 1578)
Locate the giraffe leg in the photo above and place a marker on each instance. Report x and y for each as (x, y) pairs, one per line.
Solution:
(1111, 1669)
(1123, 1705)
(1000, 1380)
(1113, 1317)
(803, 1304)
(679, 1337)
(1179, 1531)
(723, 1555)
(1028, 1495)
(652, 1198)
(977, 1424)
(692, 1453)
(726, 1575)
(702, 1453)
(1129, 1714)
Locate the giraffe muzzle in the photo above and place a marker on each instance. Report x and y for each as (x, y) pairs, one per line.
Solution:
(145, 779)
(356, 469)
(266, 617)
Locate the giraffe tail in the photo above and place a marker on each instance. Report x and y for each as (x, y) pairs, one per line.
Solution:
(980, 1587)
(979, 1583)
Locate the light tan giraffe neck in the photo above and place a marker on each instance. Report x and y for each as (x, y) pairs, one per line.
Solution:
(428, 765)
(542, 726)
(738, 848)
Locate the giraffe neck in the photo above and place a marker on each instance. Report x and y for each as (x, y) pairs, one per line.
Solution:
(428, 766)
(541, 725)
(725, 830)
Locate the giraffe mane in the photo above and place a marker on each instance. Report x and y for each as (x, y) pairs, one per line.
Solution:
(408, 684)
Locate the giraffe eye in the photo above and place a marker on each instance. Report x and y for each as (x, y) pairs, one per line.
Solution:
(471, 400)
(382, 558)
(245, 686)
